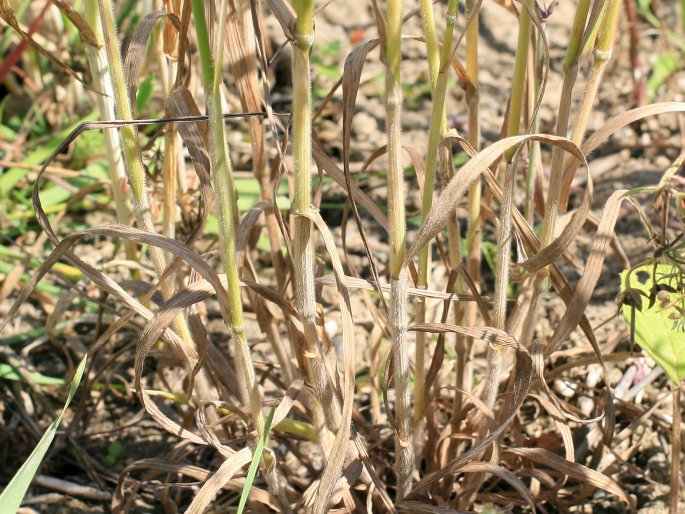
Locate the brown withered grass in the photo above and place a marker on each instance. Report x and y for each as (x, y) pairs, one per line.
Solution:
(385, 423)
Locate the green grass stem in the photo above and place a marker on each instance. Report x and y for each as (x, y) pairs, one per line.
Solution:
(519, 80)
(136, 176)
(438, 127)
(102, 79)
(570, 68)
(227, 201)
(603, 51)
(303, 248)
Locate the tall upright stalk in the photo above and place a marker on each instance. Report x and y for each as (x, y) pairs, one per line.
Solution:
(227, 200)
(430, 34)
(438, 128)
(468, 314)
(404, 449)
(136, 174)
(102, 79)
(303, 248)
(570, 69)
(604, 47)
(495, 357)
(241, 49)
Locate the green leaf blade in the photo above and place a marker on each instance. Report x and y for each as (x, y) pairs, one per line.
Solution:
(12, 496)
(655, 329)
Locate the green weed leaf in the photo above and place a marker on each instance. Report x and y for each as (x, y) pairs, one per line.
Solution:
(10, 373)
(658, 321)
(145, 91)
(664, 67)
(14, 493)
(254, 465)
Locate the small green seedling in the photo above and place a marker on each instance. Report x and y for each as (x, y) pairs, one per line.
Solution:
(114, 454)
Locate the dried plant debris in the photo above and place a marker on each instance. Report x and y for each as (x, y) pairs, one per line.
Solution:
(298, 256)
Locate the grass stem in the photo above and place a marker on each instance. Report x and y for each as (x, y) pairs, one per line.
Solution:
(136, 173)
(674, 497)
(303, 248)
(226, 197)
(102, 78)
(473, 220)
(404, 449)
(438, 127)
(604, 47)
(495, 357)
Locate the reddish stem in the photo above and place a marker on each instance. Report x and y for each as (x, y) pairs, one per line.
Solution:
(638, 76)
(18, 50)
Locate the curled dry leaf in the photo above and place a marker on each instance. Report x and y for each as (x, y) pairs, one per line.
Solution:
(574, 470)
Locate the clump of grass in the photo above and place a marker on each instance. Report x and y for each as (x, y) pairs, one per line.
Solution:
(429, 435)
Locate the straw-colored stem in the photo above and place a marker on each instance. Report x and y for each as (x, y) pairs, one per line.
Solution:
(171, 162)
(303, 249)
(226, 197)
(262, 173)
(170, 166)
(602, 54)
(438, 128)
(404, 449)
(674, 497)
(473, 219)
(102, 79)
(136, 174)
(495, 358)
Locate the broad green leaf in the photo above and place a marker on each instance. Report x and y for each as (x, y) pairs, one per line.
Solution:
(12, 496)
(254, 465)
(659, 319)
